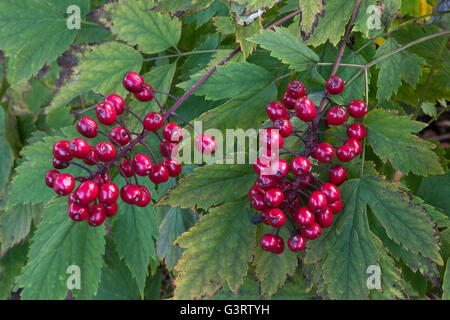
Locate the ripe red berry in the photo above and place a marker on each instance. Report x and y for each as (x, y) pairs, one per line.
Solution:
(303, 217)
(317, 201)
(119, 135)
(265, 216)
(105, 151)
(58, 164)
(50, 177)
(336, 116)
(357, 109)
(97, 215)
(159, 174)
(356, 130)
(262, 166)
(279, 168)
(205, 144)
(311, 232)
(145, 197)
(330, 191)
(173, 166)
(79, 148)
(272, 243)
(273, 197)
(266, 182)
(324, 152)
(167, 149)
(108, 193)
(305, 109)
(337, 175)
(142, 164)
(86, 192)
(296, 89)
(111, 210)
(126, 168)
(296, 243)
(335, 85)
(288, 101)
(325, 218)
(271, 139)
(257, 202)
(153, 121)
(101, 179)
(106, 113)
(284, 126)
(87, 127)
(255, 190)
(64, 184)
(335, 207)
(354, 144)
(133, 82)
(146, 94)
(276, 218)
(345, 153)
(90, 158)
(131, 194)
(77, 212)
(117, 102)
(61, 151)
(276, 110)
(172, 132)
(300, 166)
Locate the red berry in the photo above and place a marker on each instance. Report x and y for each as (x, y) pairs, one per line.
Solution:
(50, 178)
(357, 130)
(272, 243)
(173, 166)
(354, 144)
(262, 166)
(284, 126)
(300, 166)
(335, 207)
(64, 184)
(117, 102)
(273, 197)
(159, 174)
(126, 168)
(172, 132)
(257, 202)
(271, 139)
(330, 191)
(324, 152)
(337, 175)
(106, 113)
(131, 194)
(255, 190)
(296, 89)
(72, 199)
(167, 148)
(79, 148)
(279, 168)
(87, 127)
(146, 94)
(86, 192)
(345, 153)
(335, 85)
(325, 218)
(133, 82)
(336, 116)
(276, 110)
(119, 135)
(276, 218)
(142, 164)
(77, 212)
(306, 181)
(303, 217)
(357, 109)
(97, 215)
(111, 210)
(108, 194)
(265, 216)
(266, 182)
(305, 109)
(311, 232)
(101, 179)
(153, 121)
(105, 151)
(145, 197)
(205, 144)
(61, 151)
(317, 201)
(288, 101)
(58, 164)
(296, 243)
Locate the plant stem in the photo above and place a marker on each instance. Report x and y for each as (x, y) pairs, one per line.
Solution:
(182, 54)
(438, 115)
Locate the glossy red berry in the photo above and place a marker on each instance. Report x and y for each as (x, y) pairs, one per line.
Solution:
(337, 175)
(105, 151)
(267, 182)
(336, 116)
(205, 144)
(335, 85)
(305, 109)
(77, 212)
(272, 243)
(50, 177)
(325, 218)
(335, 207)
(324, 152)
(97, 215)
(357, 109)
(172, 132)
(111, 210)
(126, 168)
(106, 113)
(262, 166)
(86, 192)
(276, 110)
(255, 190)
(117, 102)
(61, 150)
(300, 166)
(345, 153)
(257, 202)
(284, 126)
(288, 101)
(133, 82)
(58, 164)
(271, 139)
(173, 166)
(276, 218)
(317, 201)
(356, 130)
(159, 174)
(146, 94)
(119, 135)
(312, 232)
(296, 243)
(279, 168)
(87, 127)
(145, 197)
(354, 144)
(273, 197)
(153, 121)
(79, 148)
(91, 158)
(131, 194)
(108, 193)
(303, 217)
(142, 164)
(296, 89)
(330, 191)
(64, 184)
(101, 179)
(167, 149)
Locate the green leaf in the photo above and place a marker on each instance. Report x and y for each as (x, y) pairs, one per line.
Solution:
(11, 266)
(245, 32)
(6, 160)
(58, 244)
(312, 10)
(34, 33)
(183, 7)
(101, 70)
(211, 185)
(134, 23)
(272, 270)
(391, 138)
(434, 190)
(429, 109)
(446, 284)
(286, 47)
(223, 25)
(215, 254)
(251, 6)
(395, 68)
(364, 16)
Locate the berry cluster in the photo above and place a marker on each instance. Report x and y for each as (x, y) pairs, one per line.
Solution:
(289, 193)
(96, 197)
